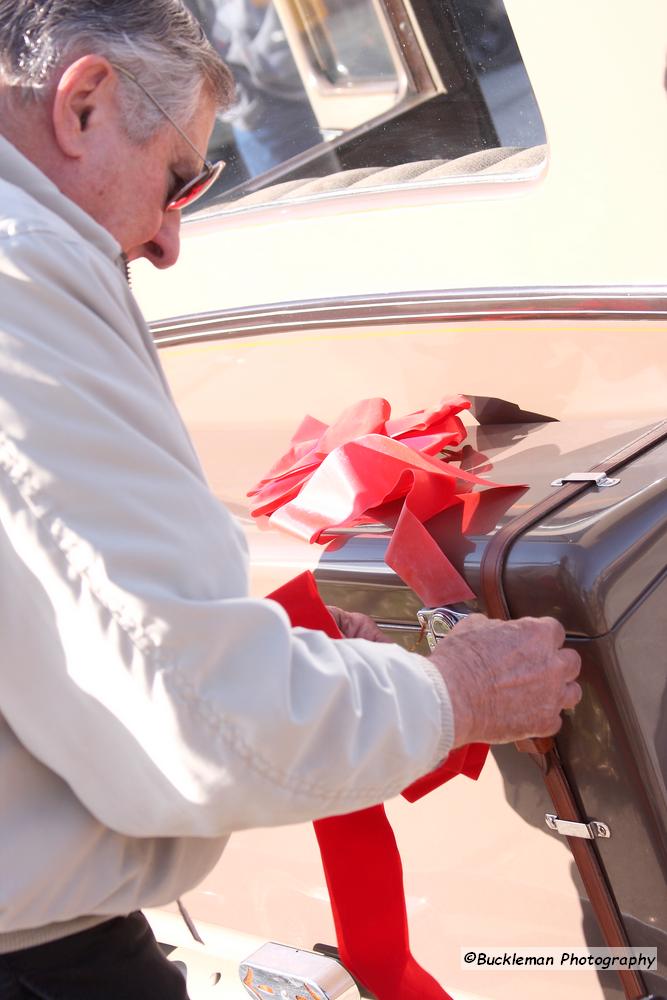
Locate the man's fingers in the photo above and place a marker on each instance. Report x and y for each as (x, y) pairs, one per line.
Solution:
(355, 625)
(554, 628)
(507, 679)
(335, 613)
(550, 730)
(572, 695)
(570, 662)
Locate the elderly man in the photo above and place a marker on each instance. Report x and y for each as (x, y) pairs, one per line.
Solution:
(148, 706)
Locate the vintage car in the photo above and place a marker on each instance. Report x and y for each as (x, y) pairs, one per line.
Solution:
(480, 209)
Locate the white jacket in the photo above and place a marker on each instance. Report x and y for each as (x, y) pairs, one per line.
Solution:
(148, 706)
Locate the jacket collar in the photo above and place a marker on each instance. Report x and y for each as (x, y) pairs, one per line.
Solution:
(22, 173)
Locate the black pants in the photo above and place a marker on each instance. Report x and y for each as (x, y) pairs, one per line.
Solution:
(117, 960)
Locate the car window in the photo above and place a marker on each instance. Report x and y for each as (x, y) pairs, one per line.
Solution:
(336, 94)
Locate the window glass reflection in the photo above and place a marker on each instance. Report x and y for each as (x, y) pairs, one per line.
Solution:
(272, 119)
(344, 40)
(327, 87)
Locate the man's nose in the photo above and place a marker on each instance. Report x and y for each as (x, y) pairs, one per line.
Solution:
(162, 251)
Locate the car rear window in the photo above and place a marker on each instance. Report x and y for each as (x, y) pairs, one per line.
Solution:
(356, 94)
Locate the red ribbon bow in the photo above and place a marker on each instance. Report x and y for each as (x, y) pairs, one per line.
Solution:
(365, 468)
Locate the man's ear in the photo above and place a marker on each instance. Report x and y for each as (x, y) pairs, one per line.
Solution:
(84, 102)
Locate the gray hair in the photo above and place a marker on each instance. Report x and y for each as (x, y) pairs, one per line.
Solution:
(158, 41)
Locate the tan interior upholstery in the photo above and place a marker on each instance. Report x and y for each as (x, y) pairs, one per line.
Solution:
(501, 160)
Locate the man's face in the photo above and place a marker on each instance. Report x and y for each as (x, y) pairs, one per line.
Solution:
(122, 184)
(140, 181)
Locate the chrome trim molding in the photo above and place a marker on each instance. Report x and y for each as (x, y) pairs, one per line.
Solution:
(632, 302)
(398, 627)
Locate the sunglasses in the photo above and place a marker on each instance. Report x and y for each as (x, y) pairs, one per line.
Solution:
(189, 191)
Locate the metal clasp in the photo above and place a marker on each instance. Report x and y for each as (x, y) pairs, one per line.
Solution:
(588, 831)
(599, 479)
(437, 622)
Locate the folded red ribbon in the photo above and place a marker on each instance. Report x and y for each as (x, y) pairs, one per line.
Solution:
(366, 468)
(360, 857)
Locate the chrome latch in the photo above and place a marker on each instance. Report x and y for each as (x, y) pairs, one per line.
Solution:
(589, 831)
(599, 479)
(295, 974)
(437, 622)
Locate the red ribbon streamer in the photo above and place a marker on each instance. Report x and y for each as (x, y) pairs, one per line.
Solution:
(360, 856)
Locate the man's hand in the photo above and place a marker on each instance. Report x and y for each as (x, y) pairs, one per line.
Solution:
(507, 680)
(354, 625)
